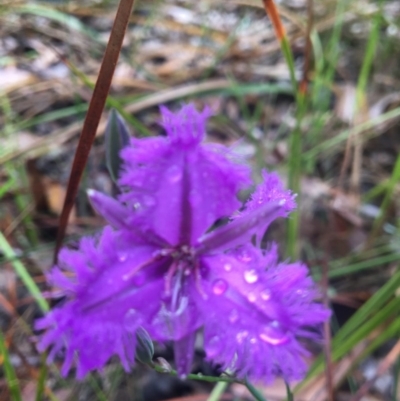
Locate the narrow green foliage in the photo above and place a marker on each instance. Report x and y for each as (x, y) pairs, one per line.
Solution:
(217, 391)
(396, 374)
(344, 270)
(368, 57)
(289, 394)
(254, 392)
(330, 145)
(12, 380)
(51, 13)
(390, 188)
(96, 388)
(379, 309)
(41, 383)
(23, 274)
(294, 162)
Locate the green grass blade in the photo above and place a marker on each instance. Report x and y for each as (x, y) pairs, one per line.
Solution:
(55, 15)
(23, 274)
(12, 380)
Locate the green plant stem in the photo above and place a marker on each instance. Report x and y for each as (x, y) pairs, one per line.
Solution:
(289, 394)
(254, 392)
(217, 391)
(42, 379)
(23, 274)
(221, 380)
(12, 380)
(390, 188)
(191, 376)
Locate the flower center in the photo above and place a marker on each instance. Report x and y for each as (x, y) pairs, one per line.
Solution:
(184, 263)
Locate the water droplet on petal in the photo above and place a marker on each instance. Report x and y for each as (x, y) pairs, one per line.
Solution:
(219, 287)
(137, 205)
(130, 320)
(252, 297)
(174, 174)
(253, 340)
(122, 256)
(213, 347)
(241, 336)
(274, 334)
(302, 293)
(233, 316)
(227, 267)
(250, 276)
(266, 295)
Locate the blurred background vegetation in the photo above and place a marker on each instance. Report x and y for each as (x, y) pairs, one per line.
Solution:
(334, 136)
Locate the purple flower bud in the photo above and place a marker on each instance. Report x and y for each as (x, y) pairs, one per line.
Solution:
(144, 347)
(163, 269)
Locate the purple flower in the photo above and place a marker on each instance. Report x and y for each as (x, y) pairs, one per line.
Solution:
(163, 266)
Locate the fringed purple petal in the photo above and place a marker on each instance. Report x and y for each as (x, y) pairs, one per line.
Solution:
(255, 314)
(182, 189)
(113, 211)
(269, 191)
(187, 126)
(240, 230)
(111, 298)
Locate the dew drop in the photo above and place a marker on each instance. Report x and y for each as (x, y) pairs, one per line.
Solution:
(250, 276)
(174, 174)
(253, 340)
(252, 297)
(219, 287)
(241, 336)
(213, 347)
(302, 293)
(122, 256)
(266, 295)
(136, 205)
(130, 320)
(233, 316)
(274, 334)
(227, 267)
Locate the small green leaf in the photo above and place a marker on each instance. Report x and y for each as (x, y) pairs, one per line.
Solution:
(116, 137)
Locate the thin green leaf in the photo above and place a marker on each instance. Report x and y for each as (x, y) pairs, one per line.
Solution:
(23, 274)
(254, 392)
(12, 380)
(55, 15)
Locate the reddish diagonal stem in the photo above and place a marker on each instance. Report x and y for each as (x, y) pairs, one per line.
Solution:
(272, 11)
(93, 115)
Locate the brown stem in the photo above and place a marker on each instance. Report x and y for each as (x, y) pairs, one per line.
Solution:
(93, 115)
